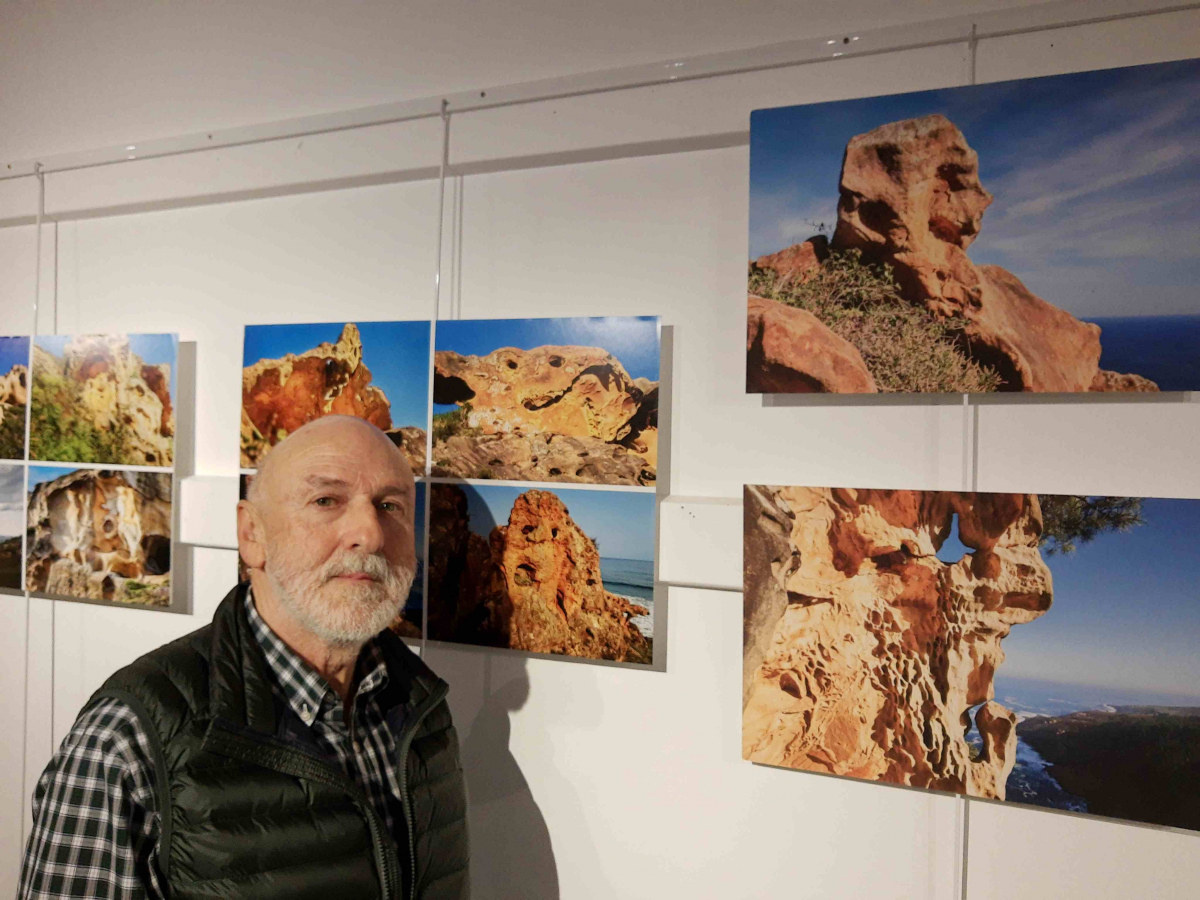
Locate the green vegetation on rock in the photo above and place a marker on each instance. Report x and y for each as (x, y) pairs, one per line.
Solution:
(448, 424)
(12, 433)
(905, 347)
(57, 435)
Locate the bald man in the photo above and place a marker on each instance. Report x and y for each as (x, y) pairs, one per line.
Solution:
(294, 748)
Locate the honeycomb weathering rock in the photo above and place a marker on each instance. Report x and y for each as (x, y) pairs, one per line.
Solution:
(864, 653)
(280, 395)
(533, 585)
(102, 535)
(547, 393)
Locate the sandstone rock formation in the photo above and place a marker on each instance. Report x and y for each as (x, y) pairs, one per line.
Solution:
(789, 351)
(533, 585)
(541, 457)
(910, 198)
(14, 393)
(1115, 381)
(864, 653)
(103, 384)
(280, 395)
(101, 535)
(14, 386)
(546, 394)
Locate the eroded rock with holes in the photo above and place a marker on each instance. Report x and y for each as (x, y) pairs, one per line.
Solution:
(534, 585)
(865, 653)
(280, 395)
(101, 381)
(102, 535)
(541, 457)
(576, 392)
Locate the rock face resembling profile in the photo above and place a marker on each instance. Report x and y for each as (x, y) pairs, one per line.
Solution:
(864, 653)
(101, 383)
(542, 396)
(533, 585)
(910, 196)
(102, 535)
(280, 395)
(778, 337)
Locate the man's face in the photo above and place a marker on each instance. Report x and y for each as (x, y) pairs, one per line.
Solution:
(339, 534)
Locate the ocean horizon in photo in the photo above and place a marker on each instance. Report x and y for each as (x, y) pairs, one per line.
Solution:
(1165, 349)
(633, 578)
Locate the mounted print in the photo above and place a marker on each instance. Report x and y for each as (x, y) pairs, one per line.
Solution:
(99, 534)
(104, 398)
(14, 395)
(561, 572)
(1037, 235)
(12, 525)
(1035, 649)
(292, 374)
(550, 400)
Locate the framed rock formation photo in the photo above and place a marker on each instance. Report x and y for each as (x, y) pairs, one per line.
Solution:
(104, 398)
(292, 374)
(549, 400)
(1037, 235)
(102, 535)
(1038, 649)
(12, 524)
(14, 395)
(566, 572)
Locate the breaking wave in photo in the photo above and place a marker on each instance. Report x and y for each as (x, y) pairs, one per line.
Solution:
(632, 578)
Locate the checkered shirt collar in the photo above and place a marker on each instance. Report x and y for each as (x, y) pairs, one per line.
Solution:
(306, 692)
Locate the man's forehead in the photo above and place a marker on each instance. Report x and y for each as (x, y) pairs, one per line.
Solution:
(350, 477)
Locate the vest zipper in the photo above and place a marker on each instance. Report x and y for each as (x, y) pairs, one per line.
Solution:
(410, 731)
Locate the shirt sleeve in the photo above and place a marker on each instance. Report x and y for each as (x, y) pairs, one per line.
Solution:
(95, 818)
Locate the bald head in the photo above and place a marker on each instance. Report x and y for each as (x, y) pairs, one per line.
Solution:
(327, 529)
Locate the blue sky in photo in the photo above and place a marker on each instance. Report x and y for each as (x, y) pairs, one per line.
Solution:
(622, 521)
(39, 474)
(1096, 178)
(1126, 610)
(13, 351)
(12, 500)
(397, 353)
(154, 349)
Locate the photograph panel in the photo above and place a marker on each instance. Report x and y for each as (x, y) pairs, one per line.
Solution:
(1035, 649)
(293, 374)
(14, 395)
(12, 525)
(1037, 235)
(563, 572)
(104, 398)
(100, 535)
(549, 400)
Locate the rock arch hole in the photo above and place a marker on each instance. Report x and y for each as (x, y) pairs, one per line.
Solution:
(952, 549)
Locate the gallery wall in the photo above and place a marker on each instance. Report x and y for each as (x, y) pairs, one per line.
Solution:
(591, 782)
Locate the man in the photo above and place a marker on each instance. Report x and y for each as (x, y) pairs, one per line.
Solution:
(294, 748)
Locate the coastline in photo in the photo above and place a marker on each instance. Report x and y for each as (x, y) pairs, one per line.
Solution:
(100, 535)
(104, 398)
(14, 395)
(12, 524)
(555, 571)
(1038, 235)
(292, 374)
(1037, 649)
(547, 400)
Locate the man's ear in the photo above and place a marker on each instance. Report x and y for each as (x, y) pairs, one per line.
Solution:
(251, 537)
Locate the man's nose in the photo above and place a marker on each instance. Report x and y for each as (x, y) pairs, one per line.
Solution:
(363, 530)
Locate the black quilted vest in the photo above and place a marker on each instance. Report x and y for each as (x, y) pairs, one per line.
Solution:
(251, 808)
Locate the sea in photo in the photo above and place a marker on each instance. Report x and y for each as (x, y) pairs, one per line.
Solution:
(104, 398)
(556, 571)
(548, 400)
(963, 239)
(377, 371)
(14, 394)
(100, 535)
(12, 524)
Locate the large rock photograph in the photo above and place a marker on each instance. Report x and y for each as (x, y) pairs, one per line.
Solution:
(104, 398)
(1035, 649)
(14, 395)
(562, 572)
(99, 534)
(12, 525)
(292, 374)
(550, 400)
(1040, 235)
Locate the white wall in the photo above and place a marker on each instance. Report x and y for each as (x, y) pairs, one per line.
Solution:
(591, 782)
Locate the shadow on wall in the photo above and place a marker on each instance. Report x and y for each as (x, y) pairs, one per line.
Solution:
(512, 857)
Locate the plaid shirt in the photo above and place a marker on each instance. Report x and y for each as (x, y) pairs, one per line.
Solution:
(96, 821)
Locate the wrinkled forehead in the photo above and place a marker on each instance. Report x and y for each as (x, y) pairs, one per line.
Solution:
(357, 467)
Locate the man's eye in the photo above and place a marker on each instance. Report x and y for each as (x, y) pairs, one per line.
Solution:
(389, 506)
(324, 501)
